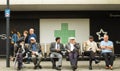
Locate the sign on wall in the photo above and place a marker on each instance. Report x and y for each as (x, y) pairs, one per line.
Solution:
(64, 28)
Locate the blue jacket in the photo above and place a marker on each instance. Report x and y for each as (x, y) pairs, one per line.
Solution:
(32, 35)
(14, 38)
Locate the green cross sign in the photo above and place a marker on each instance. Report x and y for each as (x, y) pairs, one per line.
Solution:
(64, 33)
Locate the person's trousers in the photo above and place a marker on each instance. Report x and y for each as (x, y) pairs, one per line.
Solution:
(57, 55)
(91, 55)
(73, 57)
(12, 50)
(109, 58)
(36, 59)
(20, 60)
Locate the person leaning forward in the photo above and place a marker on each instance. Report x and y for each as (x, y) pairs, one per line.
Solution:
(36, 52)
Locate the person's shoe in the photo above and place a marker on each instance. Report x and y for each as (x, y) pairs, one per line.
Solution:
(35, 67)
(27, 62)
(40, 66)
(53, 67)
(58, 68)
(97, 61)
(90, 67)
(75, 67)
(110, 67)
(107, 67)
(18, 69)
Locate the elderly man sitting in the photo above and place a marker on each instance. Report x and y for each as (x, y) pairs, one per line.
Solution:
(73, 51)
(107, 47)
(36, 52)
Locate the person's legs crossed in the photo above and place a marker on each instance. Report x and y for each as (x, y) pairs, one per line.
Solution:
(75, 59)
(70, 55)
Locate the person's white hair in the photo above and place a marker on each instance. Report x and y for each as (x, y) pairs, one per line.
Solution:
(31, 29)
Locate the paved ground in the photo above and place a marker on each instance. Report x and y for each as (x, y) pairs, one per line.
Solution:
(82, 66)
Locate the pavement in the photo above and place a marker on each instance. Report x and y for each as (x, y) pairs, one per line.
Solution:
(47, 66)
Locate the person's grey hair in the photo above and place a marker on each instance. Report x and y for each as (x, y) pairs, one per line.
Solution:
(32, 29)
(106, 35)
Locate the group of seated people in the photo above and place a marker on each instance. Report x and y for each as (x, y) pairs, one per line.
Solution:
(90, 49)
(72, 48)
(105, 49)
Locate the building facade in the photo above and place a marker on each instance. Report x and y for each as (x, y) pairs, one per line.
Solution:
(78, 18)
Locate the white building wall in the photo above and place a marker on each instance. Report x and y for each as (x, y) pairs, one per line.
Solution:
(48, 26)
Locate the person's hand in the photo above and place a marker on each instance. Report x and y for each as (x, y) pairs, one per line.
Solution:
(26, 45)
(57, 50)
(10, 37)
(103, 47)
(68, 51)
(106, 47)
(21, 44)
(12, 42)
(98, 49)
(33, 53)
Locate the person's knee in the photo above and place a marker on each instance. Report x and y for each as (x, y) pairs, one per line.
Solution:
(60, 56)
(51, 56)
(69, 55)
(39, 57)
(104, 54)
(112, 55)
(76, 56)
(91, 52)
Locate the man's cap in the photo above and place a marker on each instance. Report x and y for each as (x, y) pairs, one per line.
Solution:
(32, 38)
(70, 38)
